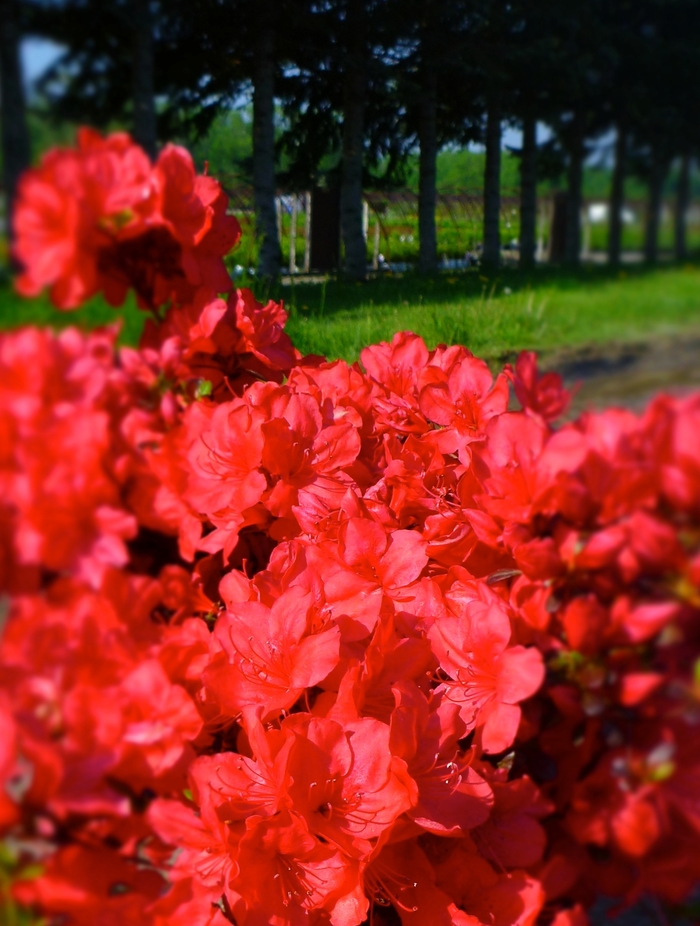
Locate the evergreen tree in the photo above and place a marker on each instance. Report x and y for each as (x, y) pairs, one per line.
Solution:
(363, 84)
(437, 87)
(535, 63)
(196, 58)
(668, 123)
(144, 107)
(355, 53)
(494, 57)
(343, 117)
(15, 134)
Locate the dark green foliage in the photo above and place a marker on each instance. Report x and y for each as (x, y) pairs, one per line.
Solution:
(584, 68)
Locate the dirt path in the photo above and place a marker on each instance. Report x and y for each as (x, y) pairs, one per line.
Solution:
(628, 374)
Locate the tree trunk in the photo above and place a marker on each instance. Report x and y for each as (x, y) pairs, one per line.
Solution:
(264, 186)
(355, 264)
(15, 135)
(427, 196)
(682, 204)
(528, 193)
(558, 226)
(574, 196)
(142, 78)
(653, 217)
(617, 197)
(491, 256)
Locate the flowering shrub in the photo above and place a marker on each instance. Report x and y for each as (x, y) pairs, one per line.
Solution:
(291, 641)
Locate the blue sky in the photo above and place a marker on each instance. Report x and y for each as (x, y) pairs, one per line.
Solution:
(37, 55)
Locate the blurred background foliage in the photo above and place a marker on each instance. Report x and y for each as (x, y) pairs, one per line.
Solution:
(592, 99)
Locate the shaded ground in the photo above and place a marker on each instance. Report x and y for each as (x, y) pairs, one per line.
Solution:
(628, 374)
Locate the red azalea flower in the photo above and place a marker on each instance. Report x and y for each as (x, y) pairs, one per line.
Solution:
(542, 395)
(397, 556)
(285, 873)
(345, 781)
(225, 460)
(452, 797)
(268, 656)
(487, 678)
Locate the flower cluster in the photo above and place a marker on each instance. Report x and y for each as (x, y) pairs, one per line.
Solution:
(102, 218)
(294, 641)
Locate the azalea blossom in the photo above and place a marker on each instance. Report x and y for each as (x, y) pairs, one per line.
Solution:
(300, 642)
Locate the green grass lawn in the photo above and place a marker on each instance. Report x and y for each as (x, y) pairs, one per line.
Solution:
(492, 315)
(495, 315)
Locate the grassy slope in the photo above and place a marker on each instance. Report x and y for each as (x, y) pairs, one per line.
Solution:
(511, 311)
(508, 312)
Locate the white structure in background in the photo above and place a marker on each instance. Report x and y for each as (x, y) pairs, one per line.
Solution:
(597, 214)
(292, 204)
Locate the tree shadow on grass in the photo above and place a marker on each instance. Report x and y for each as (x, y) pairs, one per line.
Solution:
(334, 295)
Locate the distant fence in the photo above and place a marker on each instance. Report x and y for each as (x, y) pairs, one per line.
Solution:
(458, 216)
(309, 231)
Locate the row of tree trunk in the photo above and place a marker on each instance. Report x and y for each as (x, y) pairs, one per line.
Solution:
(657, 178)
(264, 187)
(351, 192)
(16, 153)
(567, 222)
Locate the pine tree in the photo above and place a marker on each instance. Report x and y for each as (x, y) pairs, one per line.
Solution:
(15, 135)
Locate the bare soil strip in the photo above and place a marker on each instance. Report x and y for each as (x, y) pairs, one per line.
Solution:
(628, 374)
